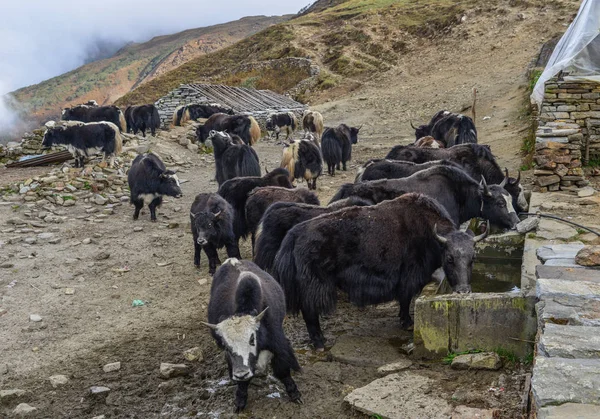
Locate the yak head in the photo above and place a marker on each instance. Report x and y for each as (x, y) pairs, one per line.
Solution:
(270, 124)
(169, 184)
(354, 134)
(515, 189)
(52, 136)
(497, 205)
(205, 225)
(239, 336)
(458, 255)
(421, 131)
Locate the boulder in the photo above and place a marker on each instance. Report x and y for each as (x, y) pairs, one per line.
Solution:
(172, 370)
(588, 256)
(479, 361)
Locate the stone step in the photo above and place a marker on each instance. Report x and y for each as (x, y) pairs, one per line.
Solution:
(557, 381)
(554, 132)
(569, 411)
(559, 251)
(558, 341)
(569, 310)
(549, 288)
(570, 274)
(565, 263)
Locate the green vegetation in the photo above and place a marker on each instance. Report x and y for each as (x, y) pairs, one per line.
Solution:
(451, 355)
(593, 163)
(507, 356)
(533, 78)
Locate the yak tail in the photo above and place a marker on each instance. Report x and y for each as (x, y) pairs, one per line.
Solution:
(155, 118)
(118, 141)
(122, 122)
(289, 158)
(185, 116)
(249, 165)
(318, 121)
(359, 174)
(294, 121)
(467, 133)
(285, 272)
(177, 115)
(254, 131)
(332, 152)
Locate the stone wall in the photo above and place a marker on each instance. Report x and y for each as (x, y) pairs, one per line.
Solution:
(568, 134)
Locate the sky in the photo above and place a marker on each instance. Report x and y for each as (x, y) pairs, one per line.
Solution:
(41, 39)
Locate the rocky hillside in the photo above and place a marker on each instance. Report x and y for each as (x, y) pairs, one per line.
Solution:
(108, 79)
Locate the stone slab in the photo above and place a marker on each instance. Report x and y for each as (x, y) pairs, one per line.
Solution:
(549, 288)
(477, 361)
(397, 366)
(569, 310)
(465, 412)
(486, 321)
(558, 341)
(568, 273)
(570, 411)
(364, 351)
(570, 263)
(557, 381)
(554, 230)
(559, 251)
(399, 396)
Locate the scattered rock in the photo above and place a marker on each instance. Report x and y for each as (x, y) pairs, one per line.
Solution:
(114, 366)
(480, 361)
(7, 265)
(173, 225)
(138, 229)
(46, 236)
(99, 391)
(102, 256)
(173, 370)
(86, 240)
(23, 409)
(194, 354)
(30, 240)
(35, 318)
(399, 396)
(3, 369)
(464, 412)
(528, 224)
(184, 142)
(69, 291)
(8, 396)
(55, 240)
(58, 380)
(585, 192)
(397, 366)
(588, 256)
(99, 200)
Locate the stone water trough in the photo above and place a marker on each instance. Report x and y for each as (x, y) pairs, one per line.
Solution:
(482, 320)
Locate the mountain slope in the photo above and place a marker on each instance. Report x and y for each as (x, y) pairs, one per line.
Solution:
(106, 80)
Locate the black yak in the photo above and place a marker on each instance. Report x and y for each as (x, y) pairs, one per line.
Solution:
(245, 314)
(395, 169)
(233, 158)
(312, 122)
(86, 113)
(476, 159)
(302, 158)
(375, 254)
(83, 139)
(278, 121)
(211, 218)
(425, 130)
(336, 145)
(236, 192)
(194, 111)
(462, 196)
(449, 129)
(243, 126)
(281, 217)
(141, 118)
(149, 180)
(261, 198)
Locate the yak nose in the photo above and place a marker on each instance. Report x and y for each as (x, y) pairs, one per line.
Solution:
(242, 375)
(179, 195)
(202, 241)
(463, 290)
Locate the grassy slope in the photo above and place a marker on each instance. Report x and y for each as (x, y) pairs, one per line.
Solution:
(351, 40)
(105, 80)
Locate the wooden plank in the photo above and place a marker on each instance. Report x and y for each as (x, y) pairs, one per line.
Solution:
(58, 157)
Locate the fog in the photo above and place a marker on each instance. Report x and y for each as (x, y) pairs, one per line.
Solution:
(41, 39)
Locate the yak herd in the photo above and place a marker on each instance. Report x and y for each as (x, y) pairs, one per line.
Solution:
(379, 239)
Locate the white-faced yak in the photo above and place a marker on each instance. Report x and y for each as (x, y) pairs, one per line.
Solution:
(86, 113)
(375, 254)
(83, 140)
(245, 315)
(211, 218)
(476, 159)
(149, 180)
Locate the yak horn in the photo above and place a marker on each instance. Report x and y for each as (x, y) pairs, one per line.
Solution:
(266, 170)
(193, 215)
(486, 190)
(212, 326)
(411, 124)
(261, 314)
(358, 129)
(439, 238)
(516, 182)
(218, 213)
(484, 234)
(505, 180)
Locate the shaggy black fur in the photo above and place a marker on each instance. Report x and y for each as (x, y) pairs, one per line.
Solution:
(141, 118)
(395, 169)
(281, 217)
(211, 219)
(85, 113)
(233, 124)
(336, 144)
(233, 159)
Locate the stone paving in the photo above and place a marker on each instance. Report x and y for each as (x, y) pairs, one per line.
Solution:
(566, 373)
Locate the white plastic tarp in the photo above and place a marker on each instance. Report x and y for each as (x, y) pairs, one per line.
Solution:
(577, 52)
